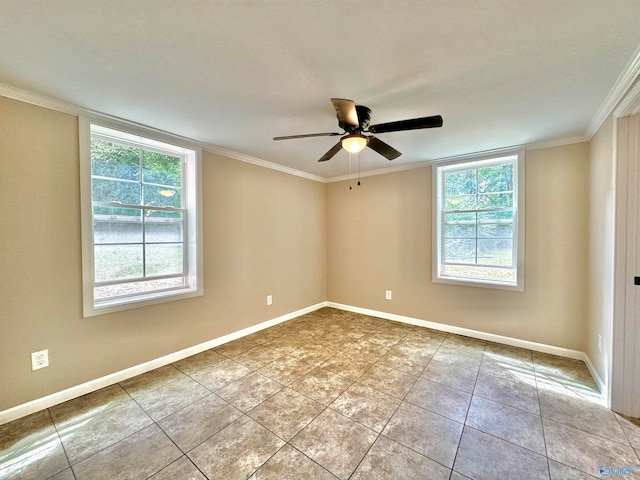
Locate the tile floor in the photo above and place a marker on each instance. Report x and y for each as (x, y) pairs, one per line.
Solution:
(334, 394)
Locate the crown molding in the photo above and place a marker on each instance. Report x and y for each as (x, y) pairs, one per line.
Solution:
(554, 142)
(73, 109)
(624, 82)
(630, 104)
(40, 100)
(262, 163)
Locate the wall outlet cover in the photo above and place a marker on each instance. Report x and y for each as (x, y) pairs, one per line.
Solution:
(39, 359)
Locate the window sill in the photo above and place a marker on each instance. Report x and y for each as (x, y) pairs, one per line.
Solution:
(468, 282)
(120, 304)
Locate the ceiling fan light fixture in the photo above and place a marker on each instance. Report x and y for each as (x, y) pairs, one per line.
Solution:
(354, 143)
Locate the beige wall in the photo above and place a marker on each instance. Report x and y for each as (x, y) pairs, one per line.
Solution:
(601, 247)
(379, 238)
(264, 233)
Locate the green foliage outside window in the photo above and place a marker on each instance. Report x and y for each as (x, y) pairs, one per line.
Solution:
(134, 176)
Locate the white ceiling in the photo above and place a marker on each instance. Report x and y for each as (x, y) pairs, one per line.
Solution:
(235, 73)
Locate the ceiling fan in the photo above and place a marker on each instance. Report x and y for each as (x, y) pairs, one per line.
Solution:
(354, 120)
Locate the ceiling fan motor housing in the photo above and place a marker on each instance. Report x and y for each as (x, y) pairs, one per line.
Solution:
(364, 119)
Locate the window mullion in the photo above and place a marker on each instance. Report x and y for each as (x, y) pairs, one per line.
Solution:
(443, 215)
(140, 154)
(476, 217)
(144, 243)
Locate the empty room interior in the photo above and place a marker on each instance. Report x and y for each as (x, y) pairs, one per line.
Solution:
(197, 283)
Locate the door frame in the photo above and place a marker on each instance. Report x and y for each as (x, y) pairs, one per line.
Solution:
(624, 363)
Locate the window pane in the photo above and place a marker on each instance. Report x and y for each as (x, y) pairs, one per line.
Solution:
(114, 160)
(117, 225)
(117, 262)
(495, 252)
(162, 196)
(499, 215)
(161, 169)
(165, 259)
(460, 217)
(460, 231)
(495, 179)
(495, 230)
(460, 225)
(465, 202)
(495, 200)
(115, 191)
(166, 228)
(458, 250)
(460, 183)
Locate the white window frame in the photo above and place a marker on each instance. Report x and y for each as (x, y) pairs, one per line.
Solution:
(192, 198)
(476, 161)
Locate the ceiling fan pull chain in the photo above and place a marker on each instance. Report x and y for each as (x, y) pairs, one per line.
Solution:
(358, 166)
(350, 171)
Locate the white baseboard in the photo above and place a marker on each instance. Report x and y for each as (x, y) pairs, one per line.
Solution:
(93, 385)
(602, 387)
(514, 342)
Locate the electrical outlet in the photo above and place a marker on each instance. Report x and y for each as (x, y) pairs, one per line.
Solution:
(388, 295)
(39, 359)
(269, 299)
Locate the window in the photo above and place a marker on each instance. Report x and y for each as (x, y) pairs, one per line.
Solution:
(141, 222)
(479, 221)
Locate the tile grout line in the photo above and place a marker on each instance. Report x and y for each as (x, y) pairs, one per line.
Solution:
(307, 456)
(157, 425)
(118, 441)
(615, 415)
(392, 415)
(287, 442)
(508, 441)
(544, 417)
(352, 383)
(464, 423)
(211, 392)
(55, 427)
(379, 434)
(111, 444)
(544, 436)
(325, 407)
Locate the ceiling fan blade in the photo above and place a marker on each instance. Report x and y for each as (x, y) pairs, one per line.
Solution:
(306, 135)
(387, 151)
(346, 110)
(413, 124)
(329, 155)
